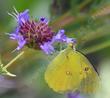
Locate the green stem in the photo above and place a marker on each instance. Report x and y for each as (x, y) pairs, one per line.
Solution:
(84, 4)
(100, 32)
(13, 60)
(96, 47)
(68, 18)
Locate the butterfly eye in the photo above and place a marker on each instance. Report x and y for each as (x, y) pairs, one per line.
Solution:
(86, 68)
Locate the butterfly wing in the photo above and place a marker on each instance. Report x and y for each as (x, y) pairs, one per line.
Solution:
(71, 71)
(90, 78)
(62, 73)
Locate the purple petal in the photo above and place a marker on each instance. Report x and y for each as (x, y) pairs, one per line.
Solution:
(15, 33)
(47, 48)
(21, 42)
(13, 36)
(19, 39)
(74, 95)
(16, 30)
(43, 19)
(22, 17)
(61, 37)
(70, 40)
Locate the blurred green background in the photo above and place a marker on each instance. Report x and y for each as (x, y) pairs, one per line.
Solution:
(86, 20)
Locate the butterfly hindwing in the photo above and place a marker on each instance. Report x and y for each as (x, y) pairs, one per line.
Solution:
(90, 78)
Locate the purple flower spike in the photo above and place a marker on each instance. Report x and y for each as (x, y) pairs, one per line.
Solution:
(36, 34)
(61, 37)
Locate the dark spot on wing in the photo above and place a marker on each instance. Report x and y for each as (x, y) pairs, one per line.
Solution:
(86, 68)
(68, 73)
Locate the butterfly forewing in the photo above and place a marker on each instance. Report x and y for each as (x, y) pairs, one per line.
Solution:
(62, 73)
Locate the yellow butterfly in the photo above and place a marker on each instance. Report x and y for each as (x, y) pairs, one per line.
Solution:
(71, 71)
